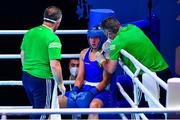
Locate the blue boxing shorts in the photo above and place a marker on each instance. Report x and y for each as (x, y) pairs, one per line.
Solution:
(105, 95)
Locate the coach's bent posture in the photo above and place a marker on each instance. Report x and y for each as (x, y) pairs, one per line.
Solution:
(134, 41)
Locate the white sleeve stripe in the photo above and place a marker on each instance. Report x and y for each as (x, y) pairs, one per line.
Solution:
(54, 45)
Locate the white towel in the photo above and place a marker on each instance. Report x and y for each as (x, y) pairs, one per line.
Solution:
(55, 104)
(153, 88)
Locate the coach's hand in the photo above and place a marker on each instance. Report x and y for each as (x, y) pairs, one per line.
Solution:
(106, 46)
(62, 88)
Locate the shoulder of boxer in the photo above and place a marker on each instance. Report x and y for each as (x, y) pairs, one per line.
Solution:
(82, 53)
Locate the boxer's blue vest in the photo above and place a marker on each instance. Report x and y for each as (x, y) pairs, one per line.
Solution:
(94, 72)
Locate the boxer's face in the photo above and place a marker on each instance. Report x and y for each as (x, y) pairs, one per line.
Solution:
(94, 42)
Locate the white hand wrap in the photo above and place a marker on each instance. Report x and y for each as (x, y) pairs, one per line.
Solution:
(100, 58)
(62, 88)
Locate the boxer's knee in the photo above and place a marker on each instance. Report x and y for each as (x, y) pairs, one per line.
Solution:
(96, 103)
(62, 101)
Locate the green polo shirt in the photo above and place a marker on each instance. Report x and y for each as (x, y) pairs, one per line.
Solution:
(134, 41)
(40, 45)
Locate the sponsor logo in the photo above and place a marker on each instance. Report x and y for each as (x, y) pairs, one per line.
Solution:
(86, 63)
(112, 47)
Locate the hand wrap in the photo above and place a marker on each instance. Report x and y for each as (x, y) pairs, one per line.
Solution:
(62, 89)
(100, 58)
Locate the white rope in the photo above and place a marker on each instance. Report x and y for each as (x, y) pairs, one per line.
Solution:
(145, 69)
(88, 111)
(17, 56)
(126, 96)
(16, 107)
(137, 82)
(123, 116)
(21, 32)
(19, 83)
(55, 103)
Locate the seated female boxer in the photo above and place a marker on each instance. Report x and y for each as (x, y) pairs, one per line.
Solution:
(91, 85)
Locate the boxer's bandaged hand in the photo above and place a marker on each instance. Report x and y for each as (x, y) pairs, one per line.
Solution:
(100, 58)
(62, 88)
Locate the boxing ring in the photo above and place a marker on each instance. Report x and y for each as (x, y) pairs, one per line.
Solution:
(139, 112)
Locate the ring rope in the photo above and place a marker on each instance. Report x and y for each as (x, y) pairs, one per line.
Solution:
(88, 111)
(145, 69)
(133, 105)
(136, 80)
(17, 56)
(19, 83)
(21, 32)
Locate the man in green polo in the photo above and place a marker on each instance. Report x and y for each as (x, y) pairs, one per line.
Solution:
(40, 56)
